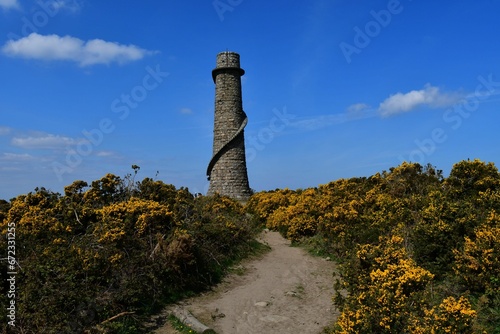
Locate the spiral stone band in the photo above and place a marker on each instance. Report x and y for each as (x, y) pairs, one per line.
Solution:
(224, 148)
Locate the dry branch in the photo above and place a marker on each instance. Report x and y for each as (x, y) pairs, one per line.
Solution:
(116, 317)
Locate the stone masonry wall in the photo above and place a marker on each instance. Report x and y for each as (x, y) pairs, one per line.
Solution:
(229, 174)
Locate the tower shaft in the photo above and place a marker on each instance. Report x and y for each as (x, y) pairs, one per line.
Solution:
(227, 169)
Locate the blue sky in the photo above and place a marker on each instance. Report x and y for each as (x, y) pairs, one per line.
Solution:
(332, 89)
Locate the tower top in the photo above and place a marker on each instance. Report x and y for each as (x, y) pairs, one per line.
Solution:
(227, 61)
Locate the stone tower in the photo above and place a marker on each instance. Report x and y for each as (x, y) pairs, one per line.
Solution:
(227, 170)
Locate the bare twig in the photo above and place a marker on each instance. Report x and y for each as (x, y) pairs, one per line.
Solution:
(77, 219)
(117, 316)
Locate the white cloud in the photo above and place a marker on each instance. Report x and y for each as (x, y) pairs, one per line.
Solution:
(357, 108)
(70, 5)
(54, 47)
(4, 130)
(16, 157)
(322, 121)
(106, 154)
(44, 141)
(430, 96)
(318, 122)
(8, 4)
(354, 112)
(186, 111)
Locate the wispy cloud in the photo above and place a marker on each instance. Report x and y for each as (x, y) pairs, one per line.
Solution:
(12, 157)
(9, 4)
(107, 154)
(186, 111)
(357, 108)
(44, 141)
(430, 96)
(359, 111)
(68, 48)
(4, 130)
(322, 121)
(69, 5)
(318, 122)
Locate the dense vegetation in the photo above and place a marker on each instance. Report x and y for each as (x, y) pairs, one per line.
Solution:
(418, 253)
(102, 257)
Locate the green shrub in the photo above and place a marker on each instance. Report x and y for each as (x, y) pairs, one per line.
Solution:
(117, 248)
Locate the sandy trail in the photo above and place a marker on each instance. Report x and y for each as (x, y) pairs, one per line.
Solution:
(285, 291)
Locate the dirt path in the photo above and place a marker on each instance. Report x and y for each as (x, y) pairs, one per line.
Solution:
(285, 291)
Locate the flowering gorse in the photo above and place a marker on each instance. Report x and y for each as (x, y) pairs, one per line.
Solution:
(417, 252)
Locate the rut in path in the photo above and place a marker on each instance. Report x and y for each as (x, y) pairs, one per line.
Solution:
(285, 291)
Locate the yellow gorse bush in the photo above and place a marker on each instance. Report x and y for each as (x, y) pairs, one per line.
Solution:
(299, 218)
(135, 216)
(417, 252)
(478, 264)
(451, 316)
(114, 246)
(389, 293)
(402, 237)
